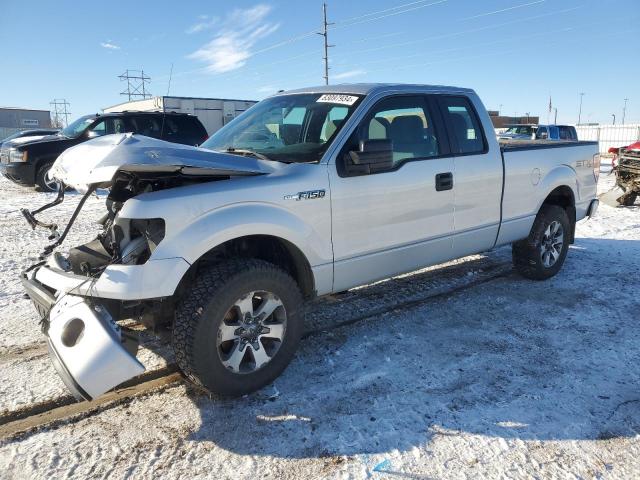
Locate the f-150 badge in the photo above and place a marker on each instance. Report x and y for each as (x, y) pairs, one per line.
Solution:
(308, 195)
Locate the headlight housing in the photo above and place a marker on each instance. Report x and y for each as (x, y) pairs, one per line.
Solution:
(16, 155)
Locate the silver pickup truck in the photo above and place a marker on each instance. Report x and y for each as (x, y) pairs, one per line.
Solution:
(309, 192)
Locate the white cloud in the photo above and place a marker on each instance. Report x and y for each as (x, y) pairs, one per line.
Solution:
(205, 22)
(109, 46)
(349, 74)
(232, 45)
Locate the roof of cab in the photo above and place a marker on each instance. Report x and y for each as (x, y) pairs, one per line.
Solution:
(369, 88)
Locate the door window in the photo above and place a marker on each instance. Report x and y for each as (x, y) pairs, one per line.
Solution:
(109, 126)
(146, 125)
(463, 124)
(407, 122)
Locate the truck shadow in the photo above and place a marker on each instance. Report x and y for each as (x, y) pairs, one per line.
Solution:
(510, 358)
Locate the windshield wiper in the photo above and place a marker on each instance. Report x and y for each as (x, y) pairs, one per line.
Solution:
(244, 152)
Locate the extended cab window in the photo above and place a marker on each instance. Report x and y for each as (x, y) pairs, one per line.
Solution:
(406, 121)
(463, 125)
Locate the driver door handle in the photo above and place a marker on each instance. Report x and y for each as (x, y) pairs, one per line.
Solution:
(444, 181)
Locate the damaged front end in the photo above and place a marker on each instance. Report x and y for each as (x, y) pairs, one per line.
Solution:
(82, 294)
(628, 175)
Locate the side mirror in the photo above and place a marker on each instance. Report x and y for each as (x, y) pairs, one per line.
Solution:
(92, 134)
(373, 156)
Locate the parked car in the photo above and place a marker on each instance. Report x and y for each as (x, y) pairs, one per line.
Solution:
(309, 192)
(36, 132)
(29, 162)
(518, 132)
(556, 132)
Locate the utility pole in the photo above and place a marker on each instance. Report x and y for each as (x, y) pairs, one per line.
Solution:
(60, 112)
(580, 110)
(136, 84)
(624, 110)
(325, 24)
(555, 116)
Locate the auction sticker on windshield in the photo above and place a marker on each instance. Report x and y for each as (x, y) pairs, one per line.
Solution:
(336, 98)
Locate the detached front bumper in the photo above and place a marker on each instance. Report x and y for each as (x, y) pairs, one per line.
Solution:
(86, 348)
(85, 344)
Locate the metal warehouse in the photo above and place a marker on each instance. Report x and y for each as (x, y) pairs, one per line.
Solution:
(13, 119)
(214, 113)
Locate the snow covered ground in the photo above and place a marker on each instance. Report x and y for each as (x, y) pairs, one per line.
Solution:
(508, 378)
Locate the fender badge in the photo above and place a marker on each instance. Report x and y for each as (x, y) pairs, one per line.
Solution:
(308, 195)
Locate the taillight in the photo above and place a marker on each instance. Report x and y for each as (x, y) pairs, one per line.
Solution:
(596, 166)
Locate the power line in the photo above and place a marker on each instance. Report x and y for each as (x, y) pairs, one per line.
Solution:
(462, 32)
(136, 84)
(357, 20)
(504, 10)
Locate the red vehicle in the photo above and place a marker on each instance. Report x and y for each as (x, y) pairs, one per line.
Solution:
(626, 165)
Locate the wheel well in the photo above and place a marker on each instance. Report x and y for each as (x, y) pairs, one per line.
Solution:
(563, 197)
(272, 249)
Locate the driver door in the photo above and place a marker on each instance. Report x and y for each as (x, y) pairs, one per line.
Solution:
(401, 219)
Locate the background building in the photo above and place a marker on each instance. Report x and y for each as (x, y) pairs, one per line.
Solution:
(500, 121)
(13, 119)
(214, 113)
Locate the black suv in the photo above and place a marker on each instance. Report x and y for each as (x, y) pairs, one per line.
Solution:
(28, 163)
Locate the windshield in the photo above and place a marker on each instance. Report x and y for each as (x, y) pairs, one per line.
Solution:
(78, 127)
(520, 130)
(287, 128)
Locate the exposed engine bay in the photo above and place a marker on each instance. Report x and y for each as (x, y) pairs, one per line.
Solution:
(121, 241)
(628, 175)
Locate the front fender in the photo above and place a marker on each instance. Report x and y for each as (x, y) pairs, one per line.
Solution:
(242, 219)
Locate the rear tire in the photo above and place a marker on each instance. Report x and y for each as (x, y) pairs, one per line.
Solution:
(542, 254)
(219, 343)
(43, 182)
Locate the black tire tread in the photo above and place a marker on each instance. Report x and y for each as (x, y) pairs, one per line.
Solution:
(525, 252)
(208, 283)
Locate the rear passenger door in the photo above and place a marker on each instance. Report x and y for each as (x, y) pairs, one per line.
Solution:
(399, 219)
(477, 177)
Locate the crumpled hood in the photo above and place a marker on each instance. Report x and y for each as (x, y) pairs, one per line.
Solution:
(97, 161)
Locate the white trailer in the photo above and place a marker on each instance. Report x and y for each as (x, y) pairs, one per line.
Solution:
(214, 113)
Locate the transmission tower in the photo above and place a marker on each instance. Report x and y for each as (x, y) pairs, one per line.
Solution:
(326, 43)
(136, 84)
(60, 112)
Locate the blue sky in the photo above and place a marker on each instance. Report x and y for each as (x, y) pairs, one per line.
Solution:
(514, 53)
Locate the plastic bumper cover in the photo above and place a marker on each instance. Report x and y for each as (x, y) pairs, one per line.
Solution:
(86, 348)
(154, 279)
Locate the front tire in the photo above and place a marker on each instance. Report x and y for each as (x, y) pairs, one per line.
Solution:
(238, 327)
(542, 254)
(43, 182)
